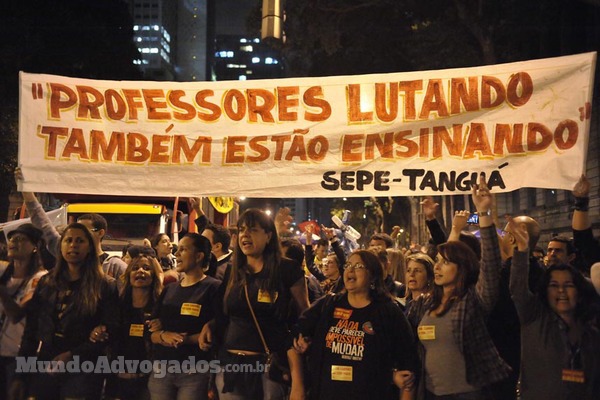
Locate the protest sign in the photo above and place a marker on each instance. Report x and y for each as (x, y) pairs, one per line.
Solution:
(523, 124)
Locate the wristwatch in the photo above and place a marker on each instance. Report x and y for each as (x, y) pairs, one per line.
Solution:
(487, 213)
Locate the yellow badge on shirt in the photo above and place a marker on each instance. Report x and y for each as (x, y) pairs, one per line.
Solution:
(341, 373)
(192, 309)
(426, 332)
(265, 297)
(136, 330)
(573, 375)
(341, 313)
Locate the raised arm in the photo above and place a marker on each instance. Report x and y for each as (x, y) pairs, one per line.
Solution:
(429, 208)
(458, 224)
(38, 216)
(583, 236)
(488, 284)
(522, 297)
(201, 220)
(336, 247)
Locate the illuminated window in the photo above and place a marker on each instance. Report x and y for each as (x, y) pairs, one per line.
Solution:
(247, 48)
(242, 78)
(255, 60)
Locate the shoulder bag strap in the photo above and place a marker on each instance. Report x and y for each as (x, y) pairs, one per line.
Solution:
(262, 338)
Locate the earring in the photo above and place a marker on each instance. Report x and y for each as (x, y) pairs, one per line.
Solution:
(372, 286)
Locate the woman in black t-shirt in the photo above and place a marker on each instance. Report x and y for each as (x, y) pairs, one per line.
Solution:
(131, 345)
(180, 367)
(360, 341)
(271, 283)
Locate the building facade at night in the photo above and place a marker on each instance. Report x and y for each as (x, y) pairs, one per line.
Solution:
(172, 37)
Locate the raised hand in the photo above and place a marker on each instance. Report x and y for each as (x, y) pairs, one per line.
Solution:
(582, 187)
(460, 219)
(283, 219)
(429, 207)
(196, 205)
(480, 193)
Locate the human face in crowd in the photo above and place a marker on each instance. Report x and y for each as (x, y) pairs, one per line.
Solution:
(19, 247)
(321, 252)
(562, 293)
(215, 248)
(331, 268)
(141, 275)
(377, 245)
(416, 276)
(75, 246)
(96, 233)
(188, 257)
(557, 254)
(163, 247)
(253, 240)
(445, 272)
(356, 276)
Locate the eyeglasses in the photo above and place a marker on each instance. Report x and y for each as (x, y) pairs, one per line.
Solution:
(94, 229)
(354, 267)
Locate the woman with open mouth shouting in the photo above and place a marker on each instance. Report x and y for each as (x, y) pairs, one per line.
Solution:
(140, 292)
(253, 321)
(560, 339)
(459, 359)
(358, 342)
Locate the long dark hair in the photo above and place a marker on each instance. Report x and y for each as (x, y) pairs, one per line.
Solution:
(586, 295)
(87, 297)
(377, 290)
(467, 273)
(271, 255)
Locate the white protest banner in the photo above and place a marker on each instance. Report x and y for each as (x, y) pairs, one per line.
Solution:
(523, 124)
(58, 217)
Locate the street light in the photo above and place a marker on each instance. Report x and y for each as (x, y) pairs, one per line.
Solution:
(272, 21)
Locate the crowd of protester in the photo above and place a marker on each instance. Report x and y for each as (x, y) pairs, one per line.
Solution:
(463, 317)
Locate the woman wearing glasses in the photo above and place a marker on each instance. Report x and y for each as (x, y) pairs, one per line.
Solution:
(358, 342)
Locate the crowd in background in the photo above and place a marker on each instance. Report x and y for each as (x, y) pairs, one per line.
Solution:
(461, 317)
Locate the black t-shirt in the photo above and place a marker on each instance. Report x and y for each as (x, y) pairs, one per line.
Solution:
(133, 336)
(271, 310)
(350, 353)
(64, 300)
(185, 310)
(364, 344)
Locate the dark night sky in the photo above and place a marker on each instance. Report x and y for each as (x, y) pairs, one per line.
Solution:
(231, 16)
